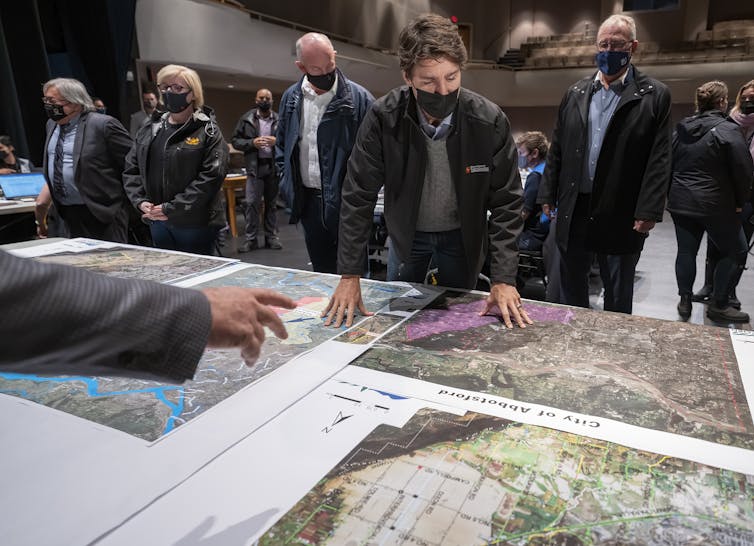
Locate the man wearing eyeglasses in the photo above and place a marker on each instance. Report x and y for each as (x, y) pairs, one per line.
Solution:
(84, 156)
(608, 169)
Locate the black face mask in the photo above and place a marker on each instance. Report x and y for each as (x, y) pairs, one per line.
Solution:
(54, 112)
(436, 105)
(264, 106)
(323, 81)
(747, 107)
(3, 155)
(102, 110)
(176, 102)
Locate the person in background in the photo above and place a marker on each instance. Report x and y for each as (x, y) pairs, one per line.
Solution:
(83, 163)
(445, 157)
(712, 180)
(743, 114)
(532, 153)
(68, 320)
(9, 162)
(140, 117)
(255, 137)
(319, 118)
(176, 167)
(99, 105)
(608, 169)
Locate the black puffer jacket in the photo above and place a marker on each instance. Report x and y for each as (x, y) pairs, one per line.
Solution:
(195, 163)
(712, 167)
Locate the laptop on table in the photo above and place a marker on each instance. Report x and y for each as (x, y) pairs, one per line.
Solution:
(22, 186)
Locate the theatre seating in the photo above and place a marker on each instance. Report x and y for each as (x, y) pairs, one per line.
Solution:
(728, 41)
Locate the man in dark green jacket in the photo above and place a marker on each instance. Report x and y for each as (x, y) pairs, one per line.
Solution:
(446, 159)
(608, 169)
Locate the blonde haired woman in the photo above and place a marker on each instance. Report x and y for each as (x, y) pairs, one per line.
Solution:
(176, 166)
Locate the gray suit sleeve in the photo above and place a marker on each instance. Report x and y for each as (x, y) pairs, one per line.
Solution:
(59, 319)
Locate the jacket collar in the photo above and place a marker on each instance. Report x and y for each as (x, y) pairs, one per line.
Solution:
(636, 86)
(412, 108)
(255, 115)
(202, 116)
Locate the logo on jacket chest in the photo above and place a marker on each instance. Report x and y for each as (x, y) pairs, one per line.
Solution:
(192, 141)
(471, 169)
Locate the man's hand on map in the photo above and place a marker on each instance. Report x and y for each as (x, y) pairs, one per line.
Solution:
(508, 301)
(239, 316)
(344, 302)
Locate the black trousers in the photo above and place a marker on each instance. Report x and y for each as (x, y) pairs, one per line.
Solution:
(616, 270)
(80, 222)
(321, 243)
(725, 234)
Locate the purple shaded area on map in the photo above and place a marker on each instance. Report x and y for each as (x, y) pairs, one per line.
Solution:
(466, 315)
(548, 313)
(454, 319)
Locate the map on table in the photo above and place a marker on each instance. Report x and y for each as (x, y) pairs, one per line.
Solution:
(149, 409)
(667, 376)
(447, 480)
(128, 262)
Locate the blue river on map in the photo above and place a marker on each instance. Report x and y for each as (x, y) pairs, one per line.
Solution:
(92, 390)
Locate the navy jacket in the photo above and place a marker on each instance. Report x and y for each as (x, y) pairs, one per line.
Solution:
(335, 139)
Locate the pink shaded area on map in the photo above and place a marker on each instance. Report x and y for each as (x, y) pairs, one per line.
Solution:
(466, 315)
(548, 313)
(299, 303)
(454, 319)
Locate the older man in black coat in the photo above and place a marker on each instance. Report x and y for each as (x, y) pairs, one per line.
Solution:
(608, 169)
(84, 158)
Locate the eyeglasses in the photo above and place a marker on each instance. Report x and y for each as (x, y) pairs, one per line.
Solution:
(618, 45)
(175, 88)
(48, 100)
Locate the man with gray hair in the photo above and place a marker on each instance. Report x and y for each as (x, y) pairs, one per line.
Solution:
(318, 120)
(84, 156)
(608, 169)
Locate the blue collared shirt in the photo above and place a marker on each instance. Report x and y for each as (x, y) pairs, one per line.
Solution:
(601, 110)
(72, 196)
(434, 133)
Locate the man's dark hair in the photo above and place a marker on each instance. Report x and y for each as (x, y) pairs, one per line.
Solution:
(5, 140)
(430, 36)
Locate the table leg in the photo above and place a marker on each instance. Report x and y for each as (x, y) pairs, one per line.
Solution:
(230, 199)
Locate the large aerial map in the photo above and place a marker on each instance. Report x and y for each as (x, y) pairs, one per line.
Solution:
(150, 409)
(447, 480)
(624, 368)
(130, 262)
